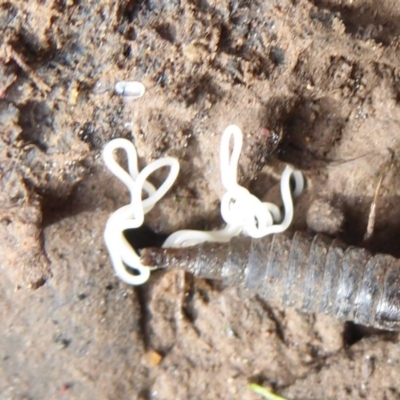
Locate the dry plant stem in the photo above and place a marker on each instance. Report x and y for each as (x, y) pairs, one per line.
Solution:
(372, 213)
(36, 79)
(310, 273)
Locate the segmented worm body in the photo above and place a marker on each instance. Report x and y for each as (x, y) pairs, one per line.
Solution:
(312, 273)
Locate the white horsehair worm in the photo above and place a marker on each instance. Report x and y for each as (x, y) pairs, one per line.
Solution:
(242, 212)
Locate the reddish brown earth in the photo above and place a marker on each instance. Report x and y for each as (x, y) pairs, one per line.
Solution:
(324, 75)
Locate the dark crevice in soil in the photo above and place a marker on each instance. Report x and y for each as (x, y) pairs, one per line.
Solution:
(366, 22)
(144, 237)
(144, 318)
(353, 333)
(313, 127)
(37, 55)
(188, 309)
(166, 31)
(145, 394)
(129, 10)
(280, 330)
(384, 238)
(56, 208)
(69, 198)
(37, 122)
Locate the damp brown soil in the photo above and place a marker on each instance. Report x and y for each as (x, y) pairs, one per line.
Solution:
(314, 84)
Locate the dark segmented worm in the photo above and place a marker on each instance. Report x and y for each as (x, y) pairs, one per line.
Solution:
(312, 273)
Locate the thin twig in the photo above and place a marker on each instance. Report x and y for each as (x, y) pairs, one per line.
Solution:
(37, 80)
(372, 211)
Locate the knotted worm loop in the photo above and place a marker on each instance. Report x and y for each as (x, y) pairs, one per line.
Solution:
(241, 211)
(132, 215)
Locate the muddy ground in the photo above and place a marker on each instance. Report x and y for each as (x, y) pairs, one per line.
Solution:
(323, 75)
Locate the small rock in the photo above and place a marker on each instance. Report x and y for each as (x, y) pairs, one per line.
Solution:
(151, 359)
(322, 217)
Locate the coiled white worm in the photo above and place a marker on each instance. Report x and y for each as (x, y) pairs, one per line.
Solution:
(242, 212)
(132, 215)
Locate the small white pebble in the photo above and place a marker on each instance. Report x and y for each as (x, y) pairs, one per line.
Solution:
(133, 89)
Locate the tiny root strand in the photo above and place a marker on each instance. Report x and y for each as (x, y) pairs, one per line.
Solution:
(264, 392)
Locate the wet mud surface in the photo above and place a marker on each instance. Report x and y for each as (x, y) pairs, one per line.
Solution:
(315, 84)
